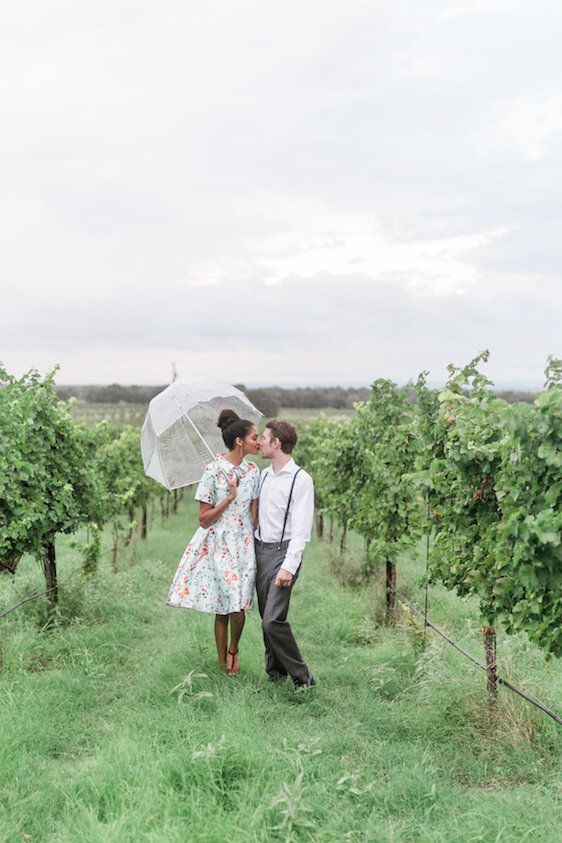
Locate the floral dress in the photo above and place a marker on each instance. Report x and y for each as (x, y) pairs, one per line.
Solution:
(218, 569)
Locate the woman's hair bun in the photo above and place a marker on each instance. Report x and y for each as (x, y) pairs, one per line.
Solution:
(226, 418)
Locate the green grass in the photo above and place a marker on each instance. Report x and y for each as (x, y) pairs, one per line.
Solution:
(519, 661)
(393, 744)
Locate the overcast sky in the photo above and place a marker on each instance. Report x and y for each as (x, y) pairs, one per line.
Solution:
(298, 192)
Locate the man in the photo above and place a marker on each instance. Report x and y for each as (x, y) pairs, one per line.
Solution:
(286, 511)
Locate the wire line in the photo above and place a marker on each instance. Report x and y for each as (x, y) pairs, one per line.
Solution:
(476, 661)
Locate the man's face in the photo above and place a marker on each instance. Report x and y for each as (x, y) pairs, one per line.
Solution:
(268, 446)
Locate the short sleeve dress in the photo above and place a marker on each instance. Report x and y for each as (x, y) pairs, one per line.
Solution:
(218, 568)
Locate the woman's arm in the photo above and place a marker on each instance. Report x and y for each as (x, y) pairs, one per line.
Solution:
(254, 513)
(208, 513)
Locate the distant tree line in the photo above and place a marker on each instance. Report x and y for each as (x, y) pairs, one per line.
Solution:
(270, 400)
(110, 394)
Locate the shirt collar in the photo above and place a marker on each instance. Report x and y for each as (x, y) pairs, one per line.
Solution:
(289, 468)
(240, 469)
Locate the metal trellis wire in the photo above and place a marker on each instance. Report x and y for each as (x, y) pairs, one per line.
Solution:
(403, 599)
(43, 593)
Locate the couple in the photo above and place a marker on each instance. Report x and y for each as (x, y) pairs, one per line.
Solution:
(252, 532)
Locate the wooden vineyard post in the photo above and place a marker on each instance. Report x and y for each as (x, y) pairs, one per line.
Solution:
(115, 547)
(343, 537)
(176, 501)
(427, 540)
(144, 522)
(129, 535)
(489, 633)
(331, 533)
(50, 571)
(320, 525)
(390, 583)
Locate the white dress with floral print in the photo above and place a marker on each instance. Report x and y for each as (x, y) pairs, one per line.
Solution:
(218, 569)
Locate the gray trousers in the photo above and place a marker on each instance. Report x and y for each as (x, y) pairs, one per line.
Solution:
(282, 655)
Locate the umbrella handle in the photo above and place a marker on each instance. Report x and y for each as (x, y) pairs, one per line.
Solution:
(185, 415)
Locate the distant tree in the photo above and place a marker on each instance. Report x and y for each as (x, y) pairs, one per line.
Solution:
(265, 401)
(272, 398)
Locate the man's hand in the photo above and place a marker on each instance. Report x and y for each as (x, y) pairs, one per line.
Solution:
(283, 579)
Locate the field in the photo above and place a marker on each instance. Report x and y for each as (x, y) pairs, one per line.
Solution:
(124, 413)
(117, 414)
(116, 726)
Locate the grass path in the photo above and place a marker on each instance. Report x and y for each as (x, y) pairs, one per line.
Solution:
(392, 745)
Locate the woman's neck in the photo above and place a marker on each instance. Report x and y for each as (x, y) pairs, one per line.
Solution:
(234, 457)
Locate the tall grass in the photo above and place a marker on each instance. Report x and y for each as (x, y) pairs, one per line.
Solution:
(115, 724)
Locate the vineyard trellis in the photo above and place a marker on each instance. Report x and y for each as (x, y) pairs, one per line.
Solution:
(480, 476)
(499, 679)
(58, 475)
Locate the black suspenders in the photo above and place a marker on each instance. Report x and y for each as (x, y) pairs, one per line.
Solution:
(288, 504)
(287, 510)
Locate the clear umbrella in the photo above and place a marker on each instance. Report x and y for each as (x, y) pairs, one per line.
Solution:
(180, 435)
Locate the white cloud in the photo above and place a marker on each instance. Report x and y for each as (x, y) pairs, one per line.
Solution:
(428, 267)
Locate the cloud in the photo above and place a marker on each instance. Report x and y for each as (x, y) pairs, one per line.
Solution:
(430, 267)
(314, 328)
(322, 189)
(530, 129)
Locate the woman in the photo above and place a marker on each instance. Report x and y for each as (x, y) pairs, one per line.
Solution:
(218, 569)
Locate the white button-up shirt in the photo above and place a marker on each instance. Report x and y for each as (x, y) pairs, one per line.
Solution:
(274, 495)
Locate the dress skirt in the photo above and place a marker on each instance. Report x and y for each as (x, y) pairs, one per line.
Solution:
(217, 571)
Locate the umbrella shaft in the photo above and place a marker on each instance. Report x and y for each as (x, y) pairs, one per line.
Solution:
(205, 444)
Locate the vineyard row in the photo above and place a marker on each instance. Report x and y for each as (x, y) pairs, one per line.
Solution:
(481, 476)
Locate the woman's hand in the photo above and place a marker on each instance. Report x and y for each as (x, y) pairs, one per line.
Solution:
(232, 486)
(208, 512)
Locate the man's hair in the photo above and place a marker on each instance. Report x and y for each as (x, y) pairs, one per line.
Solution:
(285, 432)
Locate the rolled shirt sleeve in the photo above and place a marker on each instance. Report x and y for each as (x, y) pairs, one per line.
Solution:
(302, 517)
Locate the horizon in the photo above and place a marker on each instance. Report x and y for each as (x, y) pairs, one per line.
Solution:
(307, 385)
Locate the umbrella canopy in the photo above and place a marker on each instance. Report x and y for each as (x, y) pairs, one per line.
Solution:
(180, 435)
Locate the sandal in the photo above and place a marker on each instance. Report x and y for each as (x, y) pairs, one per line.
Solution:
(232, 671)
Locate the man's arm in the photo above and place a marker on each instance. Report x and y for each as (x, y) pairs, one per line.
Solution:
(302, 517)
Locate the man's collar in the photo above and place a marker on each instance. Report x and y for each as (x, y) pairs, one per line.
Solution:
(289, 468)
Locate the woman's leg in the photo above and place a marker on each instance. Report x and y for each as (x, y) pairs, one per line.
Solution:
(221, 638)
(237, 621)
